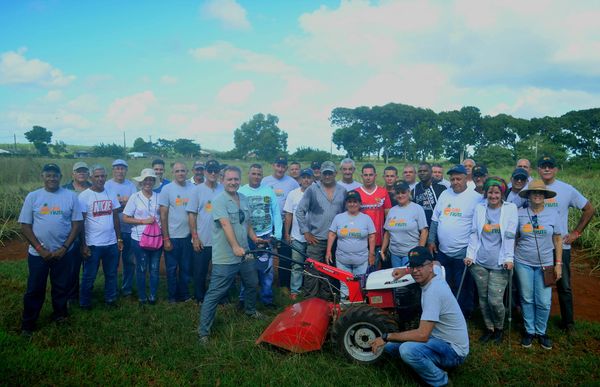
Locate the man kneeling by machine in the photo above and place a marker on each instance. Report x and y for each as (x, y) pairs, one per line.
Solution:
(441, 341)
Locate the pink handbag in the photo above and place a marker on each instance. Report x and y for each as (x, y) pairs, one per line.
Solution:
(151, 237)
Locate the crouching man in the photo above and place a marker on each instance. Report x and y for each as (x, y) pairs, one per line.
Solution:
(441, 341)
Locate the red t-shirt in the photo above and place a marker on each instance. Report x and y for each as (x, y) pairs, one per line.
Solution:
(374, 204)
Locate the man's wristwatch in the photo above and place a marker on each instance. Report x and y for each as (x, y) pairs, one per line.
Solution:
(384, 337)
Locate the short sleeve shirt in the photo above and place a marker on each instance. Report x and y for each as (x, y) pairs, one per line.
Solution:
(226, 207)
(99, 225)
(291, 204)
(374, 205)
(548, 224)
(50, 214)
(282, 188)
(122, 191)
(201, 203)
(140, 207)
(491, 240)
(352, 237)
(176, 197)
(566, 197)
(404, 225)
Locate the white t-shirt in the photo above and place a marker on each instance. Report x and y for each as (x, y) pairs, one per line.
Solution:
(291, 204)
(98, 209)
(350, 186)
(140, 207)
(454, 214)
(566, 197)
(122, 191)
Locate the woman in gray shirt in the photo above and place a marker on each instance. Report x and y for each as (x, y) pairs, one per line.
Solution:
(539, 234)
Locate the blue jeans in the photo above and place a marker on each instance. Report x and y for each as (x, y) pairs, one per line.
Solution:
(147, 261)
(536, 298)
(356, 269)
(399, 261)
(61, 281)
(297, 270)
(201, 260)
(455, 267)
(221, 278)
(75, 271)
(128, 262)
(110, 263)
(428, 359)
(265, 272)
(179, 263)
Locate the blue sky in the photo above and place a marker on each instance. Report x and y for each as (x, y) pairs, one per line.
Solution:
(91, 70)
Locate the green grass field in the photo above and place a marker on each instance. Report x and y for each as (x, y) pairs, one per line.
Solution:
(157, 345)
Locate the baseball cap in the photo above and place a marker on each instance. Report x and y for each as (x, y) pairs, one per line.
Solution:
(212, 165)
(353, 195)
(51, 167)
(198, 165)
(417, 256)
(401, 186)
(281, 160)
(327, 166)
(315, 165)
(80, 164)
(520, 172)
(479, 170)
(458, 168)
(120, 162)
(546, 160)
(307, 171)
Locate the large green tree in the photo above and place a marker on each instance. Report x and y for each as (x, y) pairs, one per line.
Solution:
(186, 147)
(40, 137)
(261, 136)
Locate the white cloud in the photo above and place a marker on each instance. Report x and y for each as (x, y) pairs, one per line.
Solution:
(229, 12)
(168, 80)
(133, 110)
(84, 103)
(236, 92)
(53, 96)
(16, 69)
(242, 59)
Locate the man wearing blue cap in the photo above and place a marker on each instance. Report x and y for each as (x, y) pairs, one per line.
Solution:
(441, 341)
(123, 188)
(450, 231)
(50, 221)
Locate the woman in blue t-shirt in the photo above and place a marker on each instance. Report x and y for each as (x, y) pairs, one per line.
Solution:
(539, 248)
(355, 233)
(490, 254)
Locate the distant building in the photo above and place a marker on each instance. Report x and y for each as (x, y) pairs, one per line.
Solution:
(136, 155)
(82, 154)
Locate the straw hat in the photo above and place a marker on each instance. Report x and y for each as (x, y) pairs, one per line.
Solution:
(147, 172)
(537, 186)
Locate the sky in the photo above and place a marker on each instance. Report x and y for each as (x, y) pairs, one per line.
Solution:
(91, 71)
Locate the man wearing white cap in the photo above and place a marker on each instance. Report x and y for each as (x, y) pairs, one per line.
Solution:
(123, 188)
(198, 170)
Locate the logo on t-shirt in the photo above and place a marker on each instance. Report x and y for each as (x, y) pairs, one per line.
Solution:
(46, 210)
(397, 222)
(539, 230)
(350, 232)
(102, 208)
(208, 206)
(378, 204)
(452, 211)
(279, 192)
(491, 228)
(550, 203)
(179, 201)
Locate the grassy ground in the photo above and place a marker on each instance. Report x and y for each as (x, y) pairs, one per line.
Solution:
(157, 345)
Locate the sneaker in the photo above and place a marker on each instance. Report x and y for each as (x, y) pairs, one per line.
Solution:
(527, 340)
(498, 336)
(203, 340)
(545, 341)
(256, 315)
(487, 336)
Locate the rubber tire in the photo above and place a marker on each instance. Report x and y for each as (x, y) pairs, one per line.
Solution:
(356, 327)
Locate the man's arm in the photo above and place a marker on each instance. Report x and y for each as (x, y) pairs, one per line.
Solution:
(117, 226)
(287, 229)
(75, 227)
(230, 236)
(586, 216)
(164, 226)
(193, 223)
(420, 335)
(27, 231)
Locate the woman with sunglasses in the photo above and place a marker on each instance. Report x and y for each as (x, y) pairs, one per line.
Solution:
(141, 210)
(490, 254)
(539, 246)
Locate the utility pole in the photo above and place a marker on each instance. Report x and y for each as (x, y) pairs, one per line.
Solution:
(124, 145)
(15, 137)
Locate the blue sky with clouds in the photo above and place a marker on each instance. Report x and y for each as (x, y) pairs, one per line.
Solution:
(91, 70)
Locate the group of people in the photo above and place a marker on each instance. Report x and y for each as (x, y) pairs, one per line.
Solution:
(478, 227)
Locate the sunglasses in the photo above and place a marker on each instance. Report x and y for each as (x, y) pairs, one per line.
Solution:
(534, 221)
(241, 216)
(211, 170)
(417, 268)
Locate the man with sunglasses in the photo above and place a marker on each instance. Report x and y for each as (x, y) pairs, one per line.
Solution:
(230, 235)
(173, 199)
(566, 197)
(199, 210)
(441, 341)
(518, 181)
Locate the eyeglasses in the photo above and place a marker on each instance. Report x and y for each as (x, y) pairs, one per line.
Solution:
(420, 267)
(534, 221)
(210, 170)
(517, 178)
(242, 216)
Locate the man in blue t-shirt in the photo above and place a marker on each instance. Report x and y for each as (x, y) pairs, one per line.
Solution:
(441, 341)
(50, 221)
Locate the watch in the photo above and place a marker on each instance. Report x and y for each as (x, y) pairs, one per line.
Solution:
(384, 337)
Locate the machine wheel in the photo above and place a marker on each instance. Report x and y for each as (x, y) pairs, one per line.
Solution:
(355, 329)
